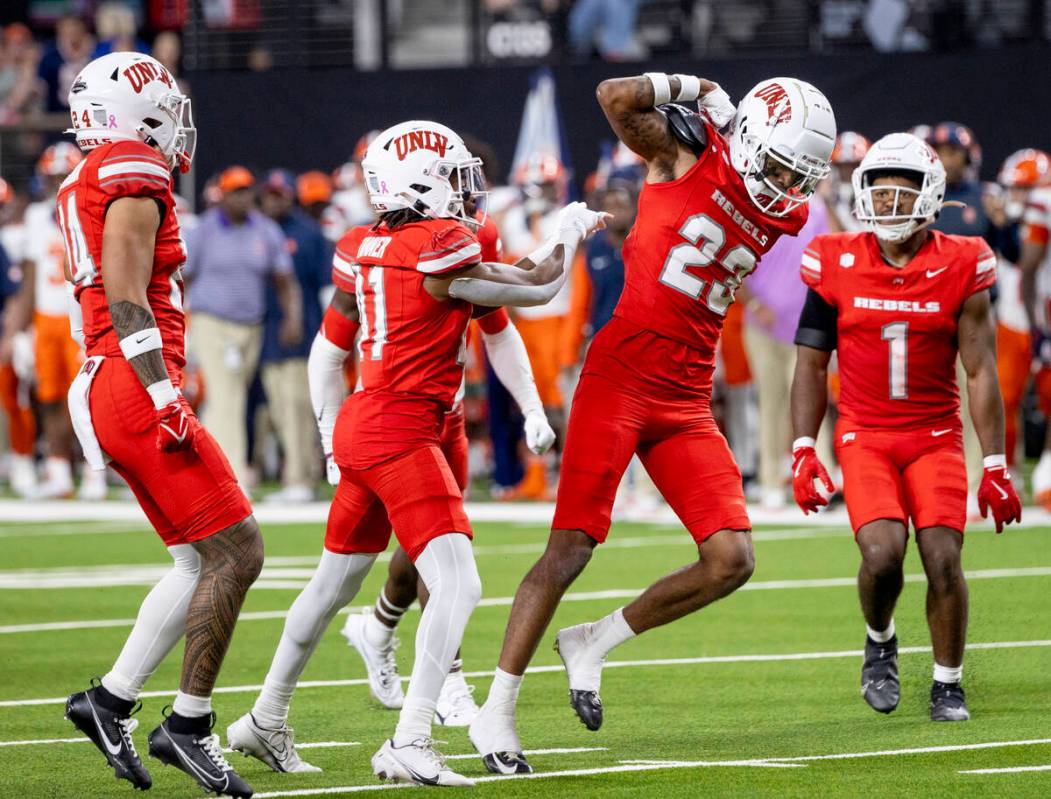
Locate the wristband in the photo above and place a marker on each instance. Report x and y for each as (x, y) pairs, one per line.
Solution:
(994, 462)
(802, 442)
(661, 87)
(143, 341)
(162, 393)
(689, 88)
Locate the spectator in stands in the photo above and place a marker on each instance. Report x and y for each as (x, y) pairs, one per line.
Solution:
(608, 25)
(63, 59)
(232, 254)
(167, 48)
(284, 367)
(117, 30)
(773, 297)
(18, 60)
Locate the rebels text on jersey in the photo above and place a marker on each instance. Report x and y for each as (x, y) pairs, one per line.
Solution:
(694, 241)
(897, 327)
(123, 169)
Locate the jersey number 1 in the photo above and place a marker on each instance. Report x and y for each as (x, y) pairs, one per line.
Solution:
(379, 304)
(897, 334)
(706, 238)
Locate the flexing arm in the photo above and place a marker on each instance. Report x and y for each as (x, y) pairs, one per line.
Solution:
(332, 345)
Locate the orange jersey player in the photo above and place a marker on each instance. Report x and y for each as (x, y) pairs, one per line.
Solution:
(899, 303)
(124, 252)
(410, 285)
(710, 208)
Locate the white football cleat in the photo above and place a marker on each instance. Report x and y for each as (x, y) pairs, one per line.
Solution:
(456, 706)
(584, 669)
(418, 762)
(380, 663)
(273, 747)
(494, 736)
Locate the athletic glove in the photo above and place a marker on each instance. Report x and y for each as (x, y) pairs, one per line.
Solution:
(577, 218)
(332, 472)
(997, 493)
(718, 107)
(538, 432)
(177, 426)
(806, 468)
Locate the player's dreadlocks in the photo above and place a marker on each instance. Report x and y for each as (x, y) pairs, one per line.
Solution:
(403, 216)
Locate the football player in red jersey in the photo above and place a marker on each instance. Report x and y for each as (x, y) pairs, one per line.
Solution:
(707, 212)
(898, 302)
(410, 284)
(124, 253)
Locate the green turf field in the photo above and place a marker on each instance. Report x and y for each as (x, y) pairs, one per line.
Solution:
(690, 709)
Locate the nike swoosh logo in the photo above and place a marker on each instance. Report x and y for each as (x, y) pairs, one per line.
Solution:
(208, 778)
(936, 272)
(937, 433)
(113, 749)
(140, 340)
(420, 777)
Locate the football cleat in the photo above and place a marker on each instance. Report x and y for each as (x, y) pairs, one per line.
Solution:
(584, 670)
(274, 747)
(879, 675)
(494, 736)
(200, 756)
(380, 663)
(418, 762)
(948, 702)
(456, 706)
(111, 733)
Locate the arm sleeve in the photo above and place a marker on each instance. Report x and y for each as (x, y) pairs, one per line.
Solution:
(507, 354)
(817, 324)
(328, 388)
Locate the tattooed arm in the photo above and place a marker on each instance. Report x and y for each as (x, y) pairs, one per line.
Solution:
(629, 105)
(127, 257)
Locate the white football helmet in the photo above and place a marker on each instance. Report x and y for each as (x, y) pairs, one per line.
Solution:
(130, 96)
(414, 165)
(791, 123)
(899, 153)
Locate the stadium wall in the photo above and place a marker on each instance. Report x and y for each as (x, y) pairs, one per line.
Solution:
(309, 119)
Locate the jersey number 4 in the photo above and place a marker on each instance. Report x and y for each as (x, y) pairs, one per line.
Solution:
(706, 238)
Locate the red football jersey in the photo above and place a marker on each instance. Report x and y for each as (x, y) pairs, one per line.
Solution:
(694, 241)
(897, 327)
(123, 169)
(489, 237)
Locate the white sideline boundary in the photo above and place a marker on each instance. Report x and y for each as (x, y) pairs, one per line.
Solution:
(1012, 770)
(616, 664)
(505, 601)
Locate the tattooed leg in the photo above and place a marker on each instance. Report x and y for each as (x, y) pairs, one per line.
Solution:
(230, 562)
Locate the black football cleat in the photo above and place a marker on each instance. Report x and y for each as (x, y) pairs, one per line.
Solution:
(588, 706)
(948, 702)
(507, 763)
(200, 755)
(879, 675)
(110, 731)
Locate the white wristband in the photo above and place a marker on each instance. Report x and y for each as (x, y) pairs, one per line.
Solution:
(994, 462)
(689, 88)
(803, 441)
(143, 341)
(661, 87)
(162, 393)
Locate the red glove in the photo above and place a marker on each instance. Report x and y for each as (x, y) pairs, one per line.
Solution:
(806, 467)
(997, 493)
(177, 426)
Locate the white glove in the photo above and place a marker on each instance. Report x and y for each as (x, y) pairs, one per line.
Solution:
(538, 433)
(718, 107)
(332, 473)
(579, 220)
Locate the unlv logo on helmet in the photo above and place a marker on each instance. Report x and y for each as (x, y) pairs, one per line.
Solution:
(420, 140)
(777, 101)
(142, 72)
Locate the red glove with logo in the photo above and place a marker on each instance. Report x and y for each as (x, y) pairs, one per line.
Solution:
(806, 468)
(997, 493)
(177, 426)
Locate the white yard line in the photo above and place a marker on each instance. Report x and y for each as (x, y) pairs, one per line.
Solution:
(616, 664)
(505, 601)
(42, 741)
(1012, 770)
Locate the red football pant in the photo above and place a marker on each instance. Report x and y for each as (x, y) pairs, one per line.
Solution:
(186, 495)
(677, 441)
(918, 474)
(454, 445)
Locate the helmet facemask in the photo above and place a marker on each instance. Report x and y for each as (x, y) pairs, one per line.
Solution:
(901, 221)
(763, 163)
(181, 143)
(467, 187)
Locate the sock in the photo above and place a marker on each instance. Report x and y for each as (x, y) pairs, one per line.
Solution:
(612, 631)
(949, 674)
(115, 703)
(379, 627)
(334, 584)
(158, 627)
(457, 666)
(881, 637)
(503, 693)
(449, 572)
(191, 707)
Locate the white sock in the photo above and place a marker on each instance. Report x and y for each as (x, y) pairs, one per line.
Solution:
(376, 632)
(948, 674)
(881, 637)
(159, 626)
(611, 631)
(449, 572)
(335, 583)
(503, 693)
(192, 707)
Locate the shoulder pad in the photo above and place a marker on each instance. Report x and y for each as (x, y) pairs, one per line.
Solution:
(686, 125)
